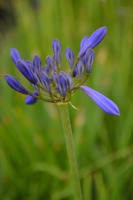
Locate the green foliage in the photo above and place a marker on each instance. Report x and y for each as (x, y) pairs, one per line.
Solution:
(33, 157)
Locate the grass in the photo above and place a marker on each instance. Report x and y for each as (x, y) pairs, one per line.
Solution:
(33, 158)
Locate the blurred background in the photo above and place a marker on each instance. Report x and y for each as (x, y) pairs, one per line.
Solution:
(33, 158)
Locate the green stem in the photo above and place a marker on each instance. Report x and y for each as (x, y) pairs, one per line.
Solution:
(70, 149)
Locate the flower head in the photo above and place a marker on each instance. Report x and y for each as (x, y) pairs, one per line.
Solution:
(56, 84)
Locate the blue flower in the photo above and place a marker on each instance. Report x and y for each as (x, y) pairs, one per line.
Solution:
(56, 86)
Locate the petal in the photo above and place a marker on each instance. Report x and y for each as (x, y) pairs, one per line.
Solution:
(94, 40)
(103, 102)
(26, 71)
(31, 100)
(14, 55)
(13, 83)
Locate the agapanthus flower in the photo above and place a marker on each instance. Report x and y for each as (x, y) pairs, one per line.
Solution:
(53, 85)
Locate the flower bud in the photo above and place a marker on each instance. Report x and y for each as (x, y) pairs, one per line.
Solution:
(14, 84)
(14, 55)
(93, 40)
(56, 49)
(74, 73)
(31, 100)
(45, 82)
(80, 69)
(83, 42)
(70, 56)
(62, 85)
(50, 63)
(89, 60)
(26, 71)
(37, 65)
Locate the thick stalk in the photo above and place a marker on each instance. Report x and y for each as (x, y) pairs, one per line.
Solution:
(70, 149)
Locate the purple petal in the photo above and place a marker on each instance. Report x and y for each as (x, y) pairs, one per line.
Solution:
(26, 71)
(14, 84)
(31, 100)
(94, 40)
(103, 102)
(14, 55)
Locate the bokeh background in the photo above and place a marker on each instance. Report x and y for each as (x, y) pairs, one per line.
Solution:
(33, 157)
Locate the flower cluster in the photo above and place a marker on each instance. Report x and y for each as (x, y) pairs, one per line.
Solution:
(56, 86)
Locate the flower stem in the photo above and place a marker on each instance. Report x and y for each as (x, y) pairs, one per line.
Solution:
(70, 149)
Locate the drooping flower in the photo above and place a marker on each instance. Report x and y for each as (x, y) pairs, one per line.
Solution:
(56, 84)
